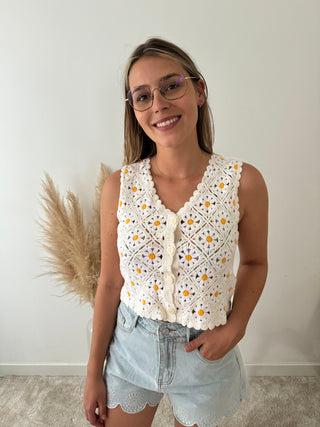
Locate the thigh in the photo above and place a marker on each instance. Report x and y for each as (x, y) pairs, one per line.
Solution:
(116, 417)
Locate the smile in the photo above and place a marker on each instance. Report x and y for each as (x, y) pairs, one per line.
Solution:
(167, 122)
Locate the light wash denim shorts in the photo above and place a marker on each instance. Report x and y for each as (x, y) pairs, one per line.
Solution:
(146, 359)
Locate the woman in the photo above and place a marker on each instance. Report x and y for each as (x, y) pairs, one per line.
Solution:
(169, 311)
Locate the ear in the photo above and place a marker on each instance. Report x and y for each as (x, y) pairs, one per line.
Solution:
(200, 88)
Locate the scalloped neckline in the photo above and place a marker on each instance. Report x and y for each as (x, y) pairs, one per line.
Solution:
(159, 202)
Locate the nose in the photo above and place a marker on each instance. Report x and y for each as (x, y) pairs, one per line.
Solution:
(159, 101)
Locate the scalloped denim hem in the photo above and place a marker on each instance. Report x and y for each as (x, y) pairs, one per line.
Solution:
(132, 402)
(210, 421)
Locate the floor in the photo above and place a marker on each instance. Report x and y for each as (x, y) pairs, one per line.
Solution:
(57, 401)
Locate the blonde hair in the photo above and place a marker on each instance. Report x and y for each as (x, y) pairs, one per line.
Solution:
(137, 145)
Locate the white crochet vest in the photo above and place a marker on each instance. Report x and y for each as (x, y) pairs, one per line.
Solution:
(178, 267)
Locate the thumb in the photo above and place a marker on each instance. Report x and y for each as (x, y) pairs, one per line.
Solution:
(192, 345)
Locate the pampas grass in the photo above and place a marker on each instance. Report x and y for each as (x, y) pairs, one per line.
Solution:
(73, 246)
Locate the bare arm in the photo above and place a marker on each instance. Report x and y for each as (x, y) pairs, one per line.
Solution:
(106, 301)
(252, 272)
(253, 231)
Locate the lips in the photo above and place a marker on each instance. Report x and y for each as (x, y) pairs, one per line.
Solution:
(166, 122)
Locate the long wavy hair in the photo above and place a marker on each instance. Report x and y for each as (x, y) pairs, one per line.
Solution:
(137, 144)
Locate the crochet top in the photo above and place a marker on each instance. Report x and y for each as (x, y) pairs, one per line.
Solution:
(178, 267)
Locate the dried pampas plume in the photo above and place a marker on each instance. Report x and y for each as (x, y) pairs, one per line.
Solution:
(73, 246)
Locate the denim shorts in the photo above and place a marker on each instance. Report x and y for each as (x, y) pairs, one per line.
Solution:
(146, 359)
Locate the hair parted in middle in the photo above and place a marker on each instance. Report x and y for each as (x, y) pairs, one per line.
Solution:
(137, 144)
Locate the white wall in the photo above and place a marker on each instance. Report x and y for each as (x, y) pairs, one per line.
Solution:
(61, 111)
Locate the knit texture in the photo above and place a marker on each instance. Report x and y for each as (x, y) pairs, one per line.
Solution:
(178, 267)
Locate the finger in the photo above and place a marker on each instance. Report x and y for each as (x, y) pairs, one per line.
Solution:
(102, 412)
(97, 422)
(92, 416)
(193, 345)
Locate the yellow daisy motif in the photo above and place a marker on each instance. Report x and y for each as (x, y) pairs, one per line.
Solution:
(190, 221)
(207, 204)
(204, 277)
(157, 223)
(216, 294)
(143, 206)
(209, 239)
(188, 257)
(127, 220)
(143, 302)
(126, 171)
(120, 203)
(201, 312)
(223, 221)
(223, 260)
(134, 189)
(135, 237)
(156, 287)
(138, 270)
(236, 167)
(221, 185)
(233, 202)
(132, 284)
(152, 256)
(129, 294)
(185, 293)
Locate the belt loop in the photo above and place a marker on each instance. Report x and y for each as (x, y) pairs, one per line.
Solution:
(135, 320)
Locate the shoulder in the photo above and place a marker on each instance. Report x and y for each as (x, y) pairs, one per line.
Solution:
(251, 179)
(111, 189)
(252, 190)
(134, 168)
(226, 164)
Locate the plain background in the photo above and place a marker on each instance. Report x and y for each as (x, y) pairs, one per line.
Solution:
(61, 111)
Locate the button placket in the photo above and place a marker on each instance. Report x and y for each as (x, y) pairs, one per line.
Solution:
(168, 257)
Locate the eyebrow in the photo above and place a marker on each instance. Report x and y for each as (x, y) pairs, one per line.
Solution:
(166, 77)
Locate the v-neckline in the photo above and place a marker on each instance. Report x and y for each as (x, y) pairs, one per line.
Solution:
(158, 202)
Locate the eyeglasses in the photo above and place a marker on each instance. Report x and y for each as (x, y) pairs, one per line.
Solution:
(171, 87)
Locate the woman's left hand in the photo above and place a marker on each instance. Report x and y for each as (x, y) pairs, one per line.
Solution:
(215, 343)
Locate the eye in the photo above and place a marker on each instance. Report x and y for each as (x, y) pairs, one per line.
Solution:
(172, 86)
(141, 97)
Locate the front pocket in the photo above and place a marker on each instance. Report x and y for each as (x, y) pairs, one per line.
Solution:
(126, 318)
(213, 362)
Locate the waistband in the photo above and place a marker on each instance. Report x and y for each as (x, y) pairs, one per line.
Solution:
(159, 328)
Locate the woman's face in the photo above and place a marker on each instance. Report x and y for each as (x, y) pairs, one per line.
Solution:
(168, 123)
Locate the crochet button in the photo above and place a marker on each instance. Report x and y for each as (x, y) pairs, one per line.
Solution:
(171, 310)
(171, 250)
(173, 220)
(169, 279)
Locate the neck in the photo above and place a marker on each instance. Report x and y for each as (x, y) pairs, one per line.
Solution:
(175, 165)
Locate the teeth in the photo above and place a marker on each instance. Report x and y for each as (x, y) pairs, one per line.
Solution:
(167, 122)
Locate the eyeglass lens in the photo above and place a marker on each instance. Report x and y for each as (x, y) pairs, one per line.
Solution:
(171, 87)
